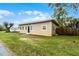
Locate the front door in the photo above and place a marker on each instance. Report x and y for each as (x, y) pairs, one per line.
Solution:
(28, 29)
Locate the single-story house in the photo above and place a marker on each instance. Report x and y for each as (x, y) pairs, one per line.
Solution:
(46, 27)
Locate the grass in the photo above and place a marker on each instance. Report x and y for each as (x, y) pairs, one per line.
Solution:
(29, 45)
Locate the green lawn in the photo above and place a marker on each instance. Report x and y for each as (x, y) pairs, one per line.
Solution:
(28, 45)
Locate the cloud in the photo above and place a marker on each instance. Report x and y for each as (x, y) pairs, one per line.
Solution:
(5, 12)
(28, 12)
(35, 15)
(29, 16)
(32, 12)
(1, 16)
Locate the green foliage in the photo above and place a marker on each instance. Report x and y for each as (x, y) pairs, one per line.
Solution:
(60, 11)
(1, 28)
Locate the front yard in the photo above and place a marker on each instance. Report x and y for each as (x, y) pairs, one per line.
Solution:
(29, 45)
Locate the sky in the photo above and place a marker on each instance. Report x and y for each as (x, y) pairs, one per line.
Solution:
(18, 13)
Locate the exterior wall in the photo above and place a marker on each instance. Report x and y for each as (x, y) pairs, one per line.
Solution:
(37, 29)
(54, 29)
(23, 30)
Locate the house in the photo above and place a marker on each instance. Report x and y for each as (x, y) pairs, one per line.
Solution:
(46, 27)
(14, 29)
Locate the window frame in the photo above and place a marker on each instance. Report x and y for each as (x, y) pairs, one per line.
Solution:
(25, 27)
(22, 27)
(30, 27)
(45, 27)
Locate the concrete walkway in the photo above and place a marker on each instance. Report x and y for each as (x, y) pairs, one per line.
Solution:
(4, 51)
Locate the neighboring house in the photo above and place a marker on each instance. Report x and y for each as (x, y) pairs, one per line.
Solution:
(14, 29)
(46, 28)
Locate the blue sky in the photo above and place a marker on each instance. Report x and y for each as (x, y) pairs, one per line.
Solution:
(26, 12)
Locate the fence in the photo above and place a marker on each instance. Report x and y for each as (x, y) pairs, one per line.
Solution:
(67, 31)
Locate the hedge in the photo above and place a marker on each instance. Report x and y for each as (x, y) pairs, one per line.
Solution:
(67, 31)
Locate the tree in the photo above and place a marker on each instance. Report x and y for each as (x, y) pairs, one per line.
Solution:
(56, 5)
(77, 24)
(60, 13)
(60, 10)
(8, 26)
(74, 23)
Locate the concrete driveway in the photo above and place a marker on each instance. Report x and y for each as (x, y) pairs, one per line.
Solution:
(4, 51)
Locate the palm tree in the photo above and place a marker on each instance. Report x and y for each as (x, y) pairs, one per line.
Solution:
(8, 26)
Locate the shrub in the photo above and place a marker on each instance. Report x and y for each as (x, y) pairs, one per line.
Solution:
(1, 28)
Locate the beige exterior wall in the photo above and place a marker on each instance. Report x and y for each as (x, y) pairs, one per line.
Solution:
(37, 29)
(54, 29)
(23, 30)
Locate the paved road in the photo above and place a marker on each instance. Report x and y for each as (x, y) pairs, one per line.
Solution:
(4, 51)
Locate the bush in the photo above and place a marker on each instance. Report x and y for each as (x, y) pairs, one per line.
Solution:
(1, 28)
(67, 31)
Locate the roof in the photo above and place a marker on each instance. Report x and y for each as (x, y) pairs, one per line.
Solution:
(35, 22)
